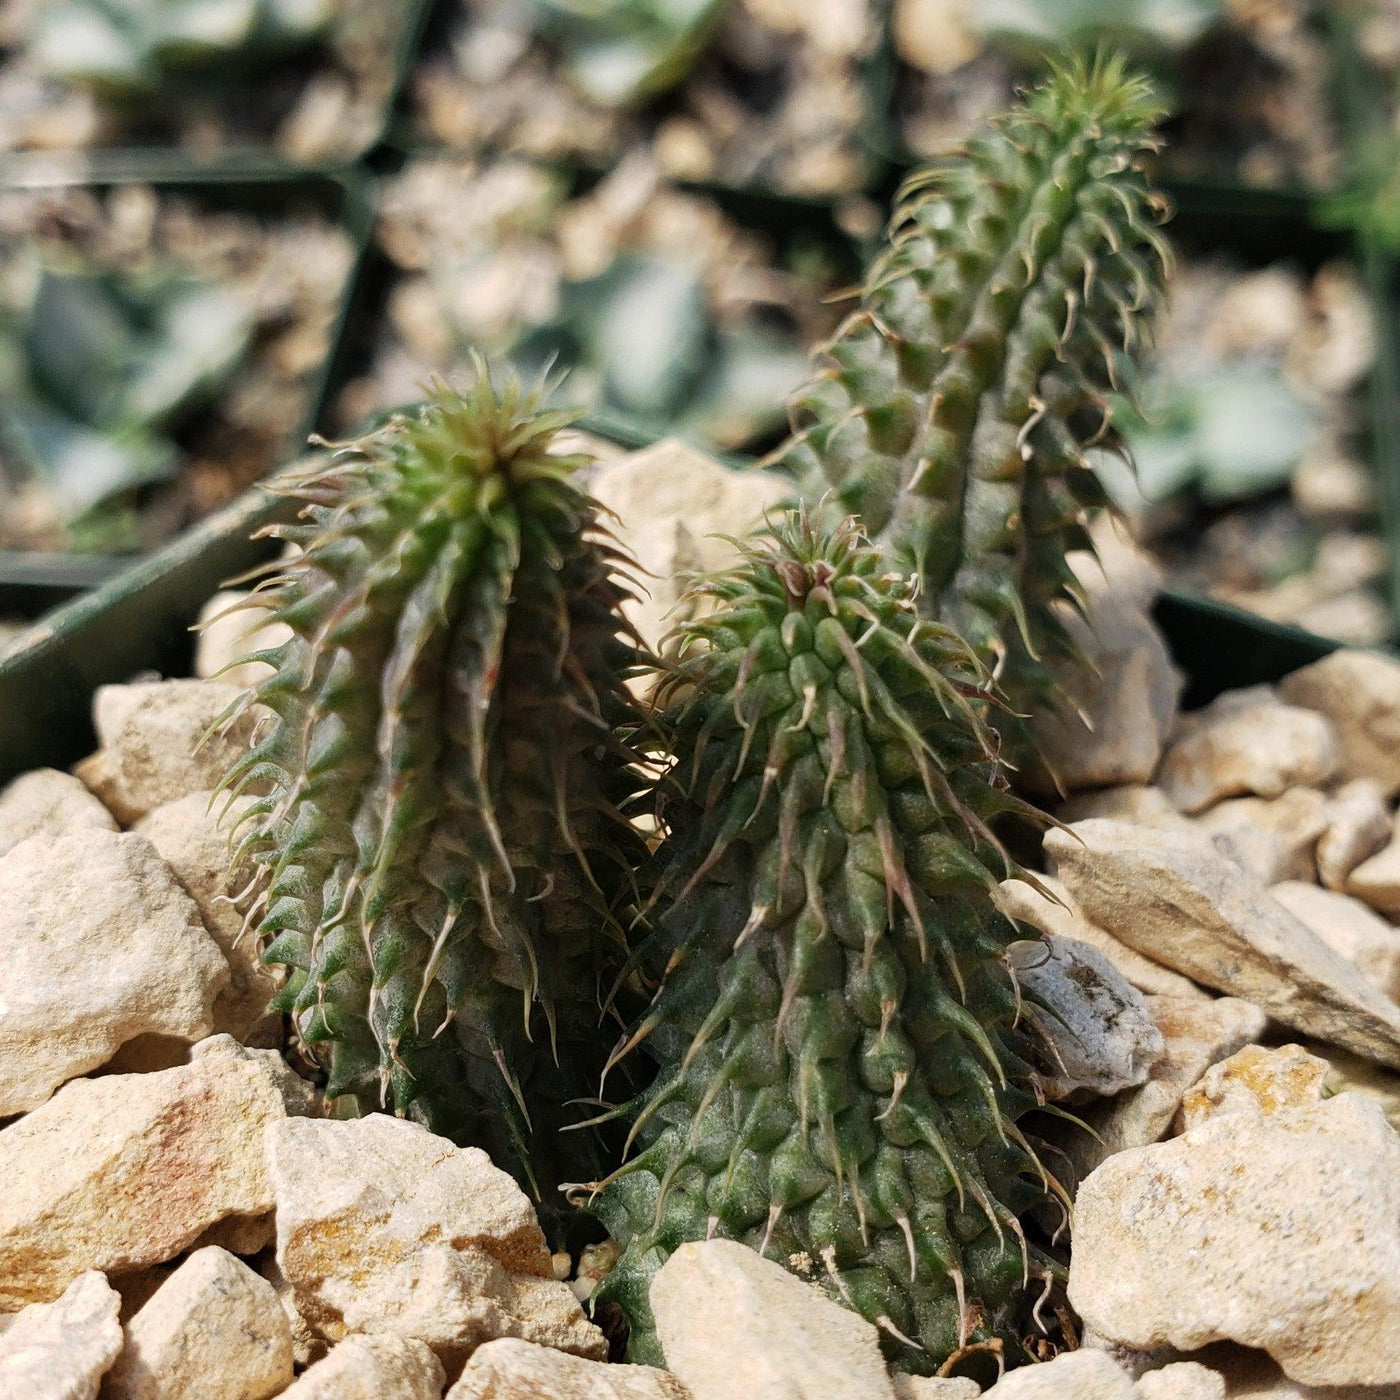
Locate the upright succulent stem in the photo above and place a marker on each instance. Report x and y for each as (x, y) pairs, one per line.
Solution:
(443, 859)
(955, 406)
(841, 1071)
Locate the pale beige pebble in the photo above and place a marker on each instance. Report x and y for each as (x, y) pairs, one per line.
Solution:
(126, 1171)
(308, 1346)
(1280, 1232)
(76, 905)
(1329, 487)
(935, 1387)
(683, 149)
(60, 1350)
(1099, 1032)
(1344, 923)
(1197, 1035)
(934, 36)
(1254, 1375)
(1359, 691)
(1358, 825)
(671, 501)
(1247, 742)
(383, 1367)
(1055, 912)
(1360, 617)
(193, 836)
(1272, 838)
(1182, 1380)
(48, 803)
(1350, 1074)
(213, 1330)
(1130, 802)
(240, 1234)
(384, 1227)
(1121, 710)
(1264, 310)
(1136, 1363)
(150, 731)
(595, 1263)
(1175, 894)
(230, 629)
(1073, 1375)
(735, 1326)
(510, 1369)
(1258, 1081)
(1376, 881)
(97, 772)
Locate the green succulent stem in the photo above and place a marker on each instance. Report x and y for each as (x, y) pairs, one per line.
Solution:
(443, 855)
(954, 409)
(841, 1067)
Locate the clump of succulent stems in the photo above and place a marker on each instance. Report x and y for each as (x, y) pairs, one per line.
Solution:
(838, 1060)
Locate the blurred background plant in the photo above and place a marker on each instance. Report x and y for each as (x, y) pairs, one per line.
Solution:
(1249, 82)
(158, 353)
(648, 300)
(1249, 478)
(312, 78)
(617, 52)
(96, 369)
(779, 93)
(128, 49)
(1158, 32)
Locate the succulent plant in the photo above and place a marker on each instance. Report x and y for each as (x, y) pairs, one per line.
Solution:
(620, 51)
(126, 48)
(954, 408)
(443, 856)
(97, 369)
(840, 1068)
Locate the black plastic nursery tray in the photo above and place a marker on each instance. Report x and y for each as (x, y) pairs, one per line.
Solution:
(870, 132)
(30, 583)
(156, 156)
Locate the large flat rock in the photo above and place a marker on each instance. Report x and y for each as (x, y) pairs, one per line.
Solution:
(1178, 899)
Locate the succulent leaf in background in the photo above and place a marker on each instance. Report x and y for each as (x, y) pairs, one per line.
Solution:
(1145, 28)
(443, 855)
(127, 48)
(620, 51)
(97, 368)
(1236, 432)
(840, 1073)
(953, 412)
(640, 339)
